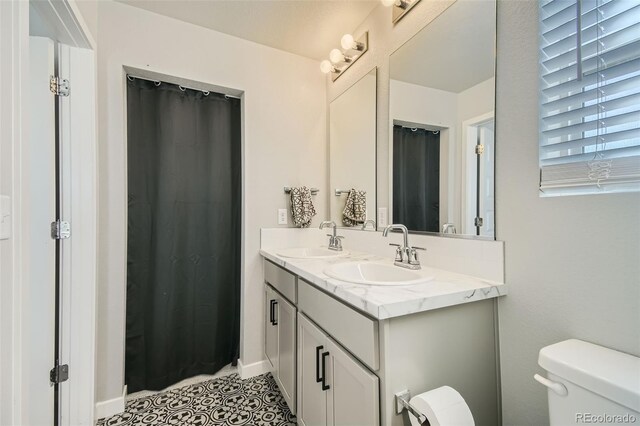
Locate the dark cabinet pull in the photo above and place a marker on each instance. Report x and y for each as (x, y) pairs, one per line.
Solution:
(275, 317)
(325, 386)
(271, 305)
(318, 377)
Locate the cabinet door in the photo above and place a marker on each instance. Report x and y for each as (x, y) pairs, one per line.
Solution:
(271, 329)
(353, 397)
(312, 399)
(287, 351)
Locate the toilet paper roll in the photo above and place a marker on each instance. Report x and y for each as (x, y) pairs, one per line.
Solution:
(443, 406)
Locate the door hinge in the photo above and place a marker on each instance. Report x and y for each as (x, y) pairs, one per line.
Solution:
(59, 86)
(479, 149)
(60, 230)
(478, 221)
(59, 374)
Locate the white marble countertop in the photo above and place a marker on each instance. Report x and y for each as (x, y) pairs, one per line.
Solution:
(382, 302)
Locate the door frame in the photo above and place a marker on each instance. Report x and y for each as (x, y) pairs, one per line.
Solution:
(68, 27)
(468, 157)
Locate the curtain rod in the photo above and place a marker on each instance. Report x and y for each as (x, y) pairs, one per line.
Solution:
(130, 76)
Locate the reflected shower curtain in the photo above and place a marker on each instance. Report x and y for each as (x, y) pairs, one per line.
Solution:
(416, 178)
(183, 248)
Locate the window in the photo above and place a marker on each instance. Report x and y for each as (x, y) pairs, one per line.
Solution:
(589, 96)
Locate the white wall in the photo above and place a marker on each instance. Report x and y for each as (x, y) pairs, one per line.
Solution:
(284, 145)
(352, 146)
(572, 263)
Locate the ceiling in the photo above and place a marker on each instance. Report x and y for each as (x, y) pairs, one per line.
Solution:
(308, 28)
(454, 52)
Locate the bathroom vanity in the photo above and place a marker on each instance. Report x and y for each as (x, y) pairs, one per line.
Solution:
(340, 351)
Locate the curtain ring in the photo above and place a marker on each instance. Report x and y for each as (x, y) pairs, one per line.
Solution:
(206, 92)
(414, 129)
(130, 78)
(226, 97)
(157, 83)
(182, 88)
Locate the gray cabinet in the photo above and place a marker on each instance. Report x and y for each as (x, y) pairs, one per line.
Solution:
(271, 329)
(336, 366)
(334, 388)
(286, 375)
(280, 343)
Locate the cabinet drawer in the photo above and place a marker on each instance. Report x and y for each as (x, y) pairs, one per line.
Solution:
(354, 331)
(281, 280)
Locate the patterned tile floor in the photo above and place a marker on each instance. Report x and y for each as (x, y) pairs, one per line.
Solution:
(225, 400)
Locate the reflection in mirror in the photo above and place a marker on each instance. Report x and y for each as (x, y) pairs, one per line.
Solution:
(441, 108)
(352, 155)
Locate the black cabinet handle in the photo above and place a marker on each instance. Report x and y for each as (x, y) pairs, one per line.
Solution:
(275, 318)
(318, 377)
(325, 386)
(271, 305)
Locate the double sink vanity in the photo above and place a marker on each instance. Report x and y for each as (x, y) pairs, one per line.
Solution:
(351, 323)
(347, 330)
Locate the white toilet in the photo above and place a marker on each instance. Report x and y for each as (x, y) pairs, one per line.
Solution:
(590, 384)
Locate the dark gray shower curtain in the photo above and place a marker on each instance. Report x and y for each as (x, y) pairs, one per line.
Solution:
(416, 178)
(183, 249)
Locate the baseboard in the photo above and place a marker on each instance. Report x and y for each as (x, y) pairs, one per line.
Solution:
(247, 371)
(111, 407)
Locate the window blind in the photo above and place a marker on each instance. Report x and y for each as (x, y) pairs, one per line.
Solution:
(589, 96)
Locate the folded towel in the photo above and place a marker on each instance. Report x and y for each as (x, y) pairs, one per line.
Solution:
(302, 208)
(355, 209)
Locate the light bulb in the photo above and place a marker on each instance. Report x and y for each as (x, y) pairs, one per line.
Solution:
(347, 42)
(326, 67)
(336, 56)
(388, 3)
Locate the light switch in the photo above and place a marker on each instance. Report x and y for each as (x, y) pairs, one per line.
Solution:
(382, 217)
(5, 217)
(282, 216)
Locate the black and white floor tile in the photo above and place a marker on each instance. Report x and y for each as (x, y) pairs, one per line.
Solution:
(225, 400)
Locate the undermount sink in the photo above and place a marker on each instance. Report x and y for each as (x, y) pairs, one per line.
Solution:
(310, 253)
(376, 274)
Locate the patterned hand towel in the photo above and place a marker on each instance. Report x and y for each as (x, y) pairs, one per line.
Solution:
(355, 209)
(302, 208)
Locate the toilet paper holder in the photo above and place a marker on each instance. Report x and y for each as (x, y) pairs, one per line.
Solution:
(402, 403)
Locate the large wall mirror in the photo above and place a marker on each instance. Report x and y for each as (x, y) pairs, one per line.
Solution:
(441, 107)
(352, 154)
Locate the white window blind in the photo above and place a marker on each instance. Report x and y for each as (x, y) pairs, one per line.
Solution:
(590, 96)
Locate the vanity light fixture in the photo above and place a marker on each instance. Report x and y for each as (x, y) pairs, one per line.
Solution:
(340, 60)
(349, 43)
(326, 67)
(400, 8)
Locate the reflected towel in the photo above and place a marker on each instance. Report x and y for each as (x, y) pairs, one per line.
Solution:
(355, 208)
(302, 209)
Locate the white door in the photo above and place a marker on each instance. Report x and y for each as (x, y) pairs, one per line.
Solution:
(353, 398)
(41, 195)
(486, 196)
(271, 329)
(312, 398)
(76, 123)
(286, 377)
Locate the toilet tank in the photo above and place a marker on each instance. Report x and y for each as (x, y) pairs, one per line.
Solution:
(590, 384)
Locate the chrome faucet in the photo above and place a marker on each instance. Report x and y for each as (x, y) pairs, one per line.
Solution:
(335, 241)
(448, 228)
(406, 256)
(369, 221)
